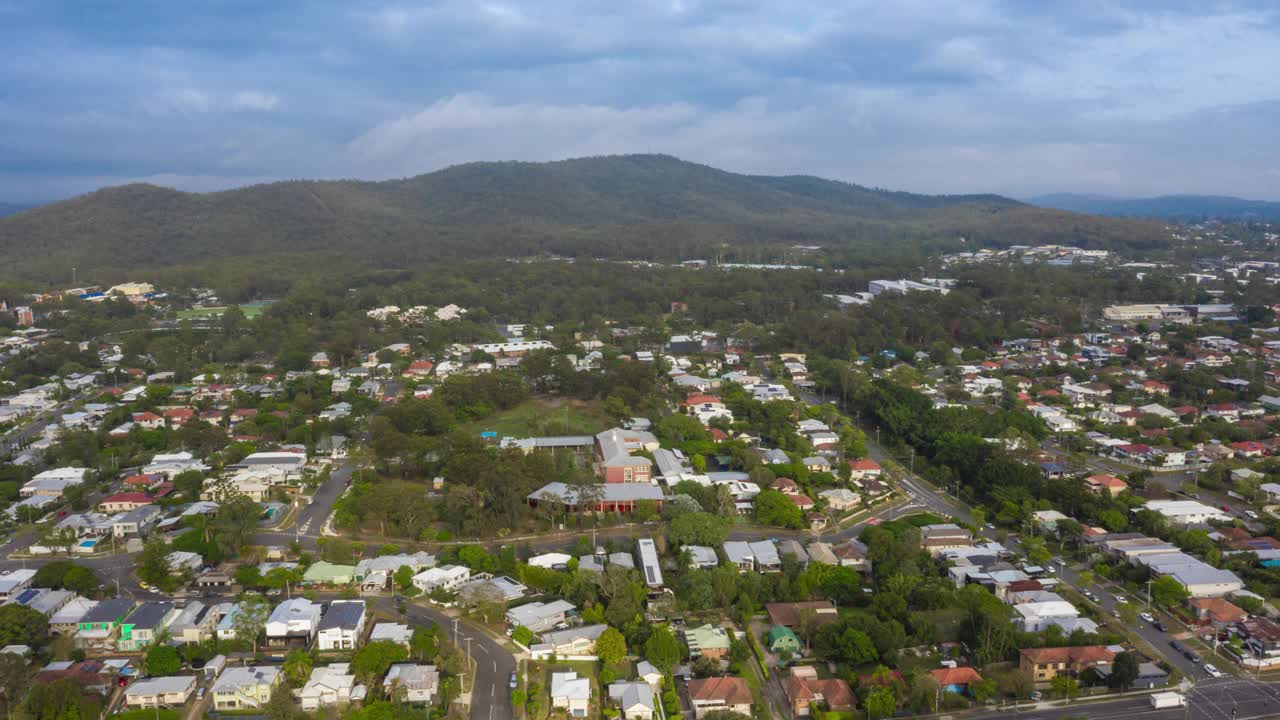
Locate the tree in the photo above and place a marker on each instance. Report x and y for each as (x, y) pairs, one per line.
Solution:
(297, 667)
(162, 660)
(58, 700)
(153, 563)
(984, 690)
(281, 705)
(1167, 591)
(251, 619)
(20, 625)
(403, 577)
(372, 660)
(1124, 670)
(611, 646)
(523, 635)
(662, 649)
(1067, 687)
(698, 528)
(422, 643)
(880, 702)
(775, 508)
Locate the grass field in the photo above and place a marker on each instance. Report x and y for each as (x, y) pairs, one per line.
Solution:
(250, 310)
(546, 417)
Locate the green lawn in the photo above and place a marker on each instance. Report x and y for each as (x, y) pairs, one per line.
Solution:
(148, 714)
(250, 310)
(543, 417)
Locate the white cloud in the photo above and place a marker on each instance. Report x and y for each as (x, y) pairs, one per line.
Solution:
(254, 100)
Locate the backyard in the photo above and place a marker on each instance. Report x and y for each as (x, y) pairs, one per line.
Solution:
(546, 417)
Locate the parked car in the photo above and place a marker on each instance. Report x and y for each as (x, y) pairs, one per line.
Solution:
(1213, 671)
(1252, 515)
(1191, 655)
(1158, 625)
(513, 682)
(1146, 617)
(1177, 646)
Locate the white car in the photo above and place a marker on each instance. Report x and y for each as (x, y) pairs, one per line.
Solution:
(1213, 671)
(1121, 599)
(1252, 515)
(1147, 617)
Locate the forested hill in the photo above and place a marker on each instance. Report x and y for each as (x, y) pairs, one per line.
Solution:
(1182, 208)
(638, 206)
(12, 208)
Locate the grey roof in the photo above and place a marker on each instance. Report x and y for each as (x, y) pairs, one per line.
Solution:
(140, 514)
(560, 637)
(344, 614)
(630, 694)
(765, 552)
(162, 685)
(701, 555)
(109, 610)
(610, 492)
(149, 615)
(738, 551)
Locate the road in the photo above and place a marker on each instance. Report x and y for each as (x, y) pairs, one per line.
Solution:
(494, 664)
(1220, 699)
(312, 516)
(1106, 594)
(22, 436)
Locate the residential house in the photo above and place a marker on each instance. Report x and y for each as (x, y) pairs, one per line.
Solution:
(956, 680)
(342, 625)
(840, 499)
(138, 522)
(143, 626)
(805, 689)
(1105, 485)
(792, 614)
(195, 623)
(571, 693)
(241, 688)
(575, 641)
(783, 640)
(124, 502)
(420, 683)
(397, 633)
(15, 581)
(326, 573)
(538, 616)
(634, 700)
(1044, 664)
(158, 692)
(618, 465)
(447, 578)
(328, 686)
(293, 623)
(1217, 611)
(709, 641)
(719, 693)
(936, 538)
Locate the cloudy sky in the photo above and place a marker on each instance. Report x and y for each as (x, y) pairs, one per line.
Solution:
(1133, 98)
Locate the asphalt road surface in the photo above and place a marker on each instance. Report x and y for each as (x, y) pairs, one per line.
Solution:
(312, 516)
(490, 688)
(1220, 699)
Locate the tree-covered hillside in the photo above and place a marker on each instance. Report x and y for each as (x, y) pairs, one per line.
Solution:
(638, 206)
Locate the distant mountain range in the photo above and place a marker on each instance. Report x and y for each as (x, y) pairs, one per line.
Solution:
(1181, 208)
(629, 206)
(11, 208)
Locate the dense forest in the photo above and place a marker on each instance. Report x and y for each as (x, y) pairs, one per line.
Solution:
(640, 207)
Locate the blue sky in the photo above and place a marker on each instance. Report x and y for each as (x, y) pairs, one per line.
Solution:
(1134, 98)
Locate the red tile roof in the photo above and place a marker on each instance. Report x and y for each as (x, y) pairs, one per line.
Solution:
(955, 676)
(726, 690)
(1076, 655)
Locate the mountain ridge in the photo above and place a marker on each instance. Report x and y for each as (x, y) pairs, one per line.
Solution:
(626, 206)
(1181, 207)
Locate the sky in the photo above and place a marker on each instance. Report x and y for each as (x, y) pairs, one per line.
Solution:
(1014, 97)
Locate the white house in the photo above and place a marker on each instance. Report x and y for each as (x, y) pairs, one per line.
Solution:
(420, 683)
(293, 622)
(538, 616)
(156, 692)
(328, 686)
(571, 693)
(448, 578)
(634, 698)
(342, 625)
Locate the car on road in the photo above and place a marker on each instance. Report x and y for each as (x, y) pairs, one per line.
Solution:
(1191, 655)
(1116, 614)
(1121, 599)
(1212, 671)
(1158, 625)
(512, 684)
(1146, 617)
(1251, 514)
